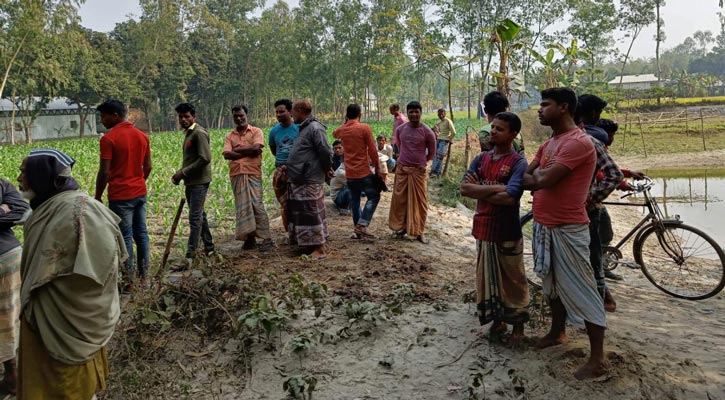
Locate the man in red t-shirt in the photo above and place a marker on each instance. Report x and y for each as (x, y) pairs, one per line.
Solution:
(560, 175)
(125, 165)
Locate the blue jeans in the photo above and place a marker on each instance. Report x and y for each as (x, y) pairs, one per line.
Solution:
(441, 152)
(133, 228)
(391, 165)
(342, 199)
(357, 186)
(198, 224)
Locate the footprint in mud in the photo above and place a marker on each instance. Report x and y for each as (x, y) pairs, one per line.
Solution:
(575, 353)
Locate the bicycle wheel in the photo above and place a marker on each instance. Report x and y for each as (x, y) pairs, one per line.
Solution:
(680, 260)
(527, 227)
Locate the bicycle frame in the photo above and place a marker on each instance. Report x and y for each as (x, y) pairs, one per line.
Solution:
(654, 217)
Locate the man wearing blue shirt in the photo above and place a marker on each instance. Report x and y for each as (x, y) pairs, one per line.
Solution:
(281, 138)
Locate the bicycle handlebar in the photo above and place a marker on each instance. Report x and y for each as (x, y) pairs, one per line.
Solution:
(641, 187)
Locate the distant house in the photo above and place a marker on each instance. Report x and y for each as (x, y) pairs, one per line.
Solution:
(56, 119)
(644, 81)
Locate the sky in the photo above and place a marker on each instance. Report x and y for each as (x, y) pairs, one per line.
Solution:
(680, 21)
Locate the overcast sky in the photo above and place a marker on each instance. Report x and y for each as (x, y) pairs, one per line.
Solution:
(682, 19)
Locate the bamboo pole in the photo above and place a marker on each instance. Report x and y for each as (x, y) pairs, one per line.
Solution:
(702, 130)
(624, 133)
(641, 134)
(687, 128)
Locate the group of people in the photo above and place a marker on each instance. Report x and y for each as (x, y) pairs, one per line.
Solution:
(59, 291)
(570, 175)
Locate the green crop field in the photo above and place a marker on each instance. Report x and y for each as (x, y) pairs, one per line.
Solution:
(166, 157)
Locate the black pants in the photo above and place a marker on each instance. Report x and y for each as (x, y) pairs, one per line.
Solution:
(198, 225)
(595, 249)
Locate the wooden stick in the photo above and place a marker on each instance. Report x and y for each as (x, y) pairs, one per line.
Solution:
(172, 233)
(702, 130)
(641, 134)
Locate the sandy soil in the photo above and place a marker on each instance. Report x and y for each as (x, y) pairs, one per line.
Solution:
(659, 347)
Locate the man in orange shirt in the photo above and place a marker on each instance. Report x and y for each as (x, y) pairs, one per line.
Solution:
(243, 150)
(360, 154)
(125, 166)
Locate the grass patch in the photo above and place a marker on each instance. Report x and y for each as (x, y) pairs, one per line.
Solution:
(686, 173)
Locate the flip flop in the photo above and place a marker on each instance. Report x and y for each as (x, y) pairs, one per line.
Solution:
(364, 234)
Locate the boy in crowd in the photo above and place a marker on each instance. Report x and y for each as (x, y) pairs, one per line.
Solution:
(495, 179)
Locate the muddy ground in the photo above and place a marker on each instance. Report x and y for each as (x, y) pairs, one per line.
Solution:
(659, 347)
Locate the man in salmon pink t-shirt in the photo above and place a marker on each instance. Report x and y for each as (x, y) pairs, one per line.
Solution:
(560, 175)
(125, 165)
(360, 155)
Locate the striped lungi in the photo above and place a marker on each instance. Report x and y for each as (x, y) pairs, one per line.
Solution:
(502, 293)
(248, 200)
(306, 214)
(561, 260)
(9, 303)
(409, 204)
(279, 183)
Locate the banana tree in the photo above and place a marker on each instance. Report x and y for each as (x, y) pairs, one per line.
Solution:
(504, 37)
(561, 71)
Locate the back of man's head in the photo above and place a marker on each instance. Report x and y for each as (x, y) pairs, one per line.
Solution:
(561, 96)
(111, 107)
(305, 106)
(353, 111)
(589, 103)
(494, 103)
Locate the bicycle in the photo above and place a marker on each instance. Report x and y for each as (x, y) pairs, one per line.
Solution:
(676, 258)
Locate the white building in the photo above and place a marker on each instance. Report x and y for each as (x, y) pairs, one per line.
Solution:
(56, 119)
(644, 81)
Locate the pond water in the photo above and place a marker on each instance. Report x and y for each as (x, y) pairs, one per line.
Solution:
(696, 195)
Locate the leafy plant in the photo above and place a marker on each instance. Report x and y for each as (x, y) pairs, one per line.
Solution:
(300, 387)
(403, 295)
(299, 291)
(160, 318)
(299, 345)
(264, 316)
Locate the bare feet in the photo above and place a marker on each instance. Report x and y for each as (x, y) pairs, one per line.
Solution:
(517, 335)
(498, 327)
(592, 369)
(318, 253)
(551, 339)
(609, 304)
(422, 239)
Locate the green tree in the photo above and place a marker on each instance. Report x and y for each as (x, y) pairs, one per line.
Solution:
(635, 16)
(592, 22)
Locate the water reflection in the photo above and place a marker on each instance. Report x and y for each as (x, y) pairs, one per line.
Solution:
(695, 195)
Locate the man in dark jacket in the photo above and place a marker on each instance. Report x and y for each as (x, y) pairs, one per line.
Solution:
(12, 210)
(196, 173)
(308, 167)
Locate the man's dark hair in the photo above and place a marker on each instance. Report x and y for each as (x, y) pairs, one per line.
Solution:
(395, 106)
(381, 137)
(336, 142)
(185, 108)
(561, 96)
(589, 103)
(608, 125)
(352, 111)
(239, 108)
(111, 107)
(287, 103)
(512, 119)
(494, 103)
(413, 105)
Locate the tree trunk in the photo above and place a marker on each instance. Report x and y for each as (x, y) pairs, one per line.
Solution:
(10, 62)
(657, 47)
(12, 118)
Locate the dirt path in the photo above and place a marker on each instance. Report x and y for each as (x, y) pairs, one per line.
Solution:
(705, 159)
(659, 347)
